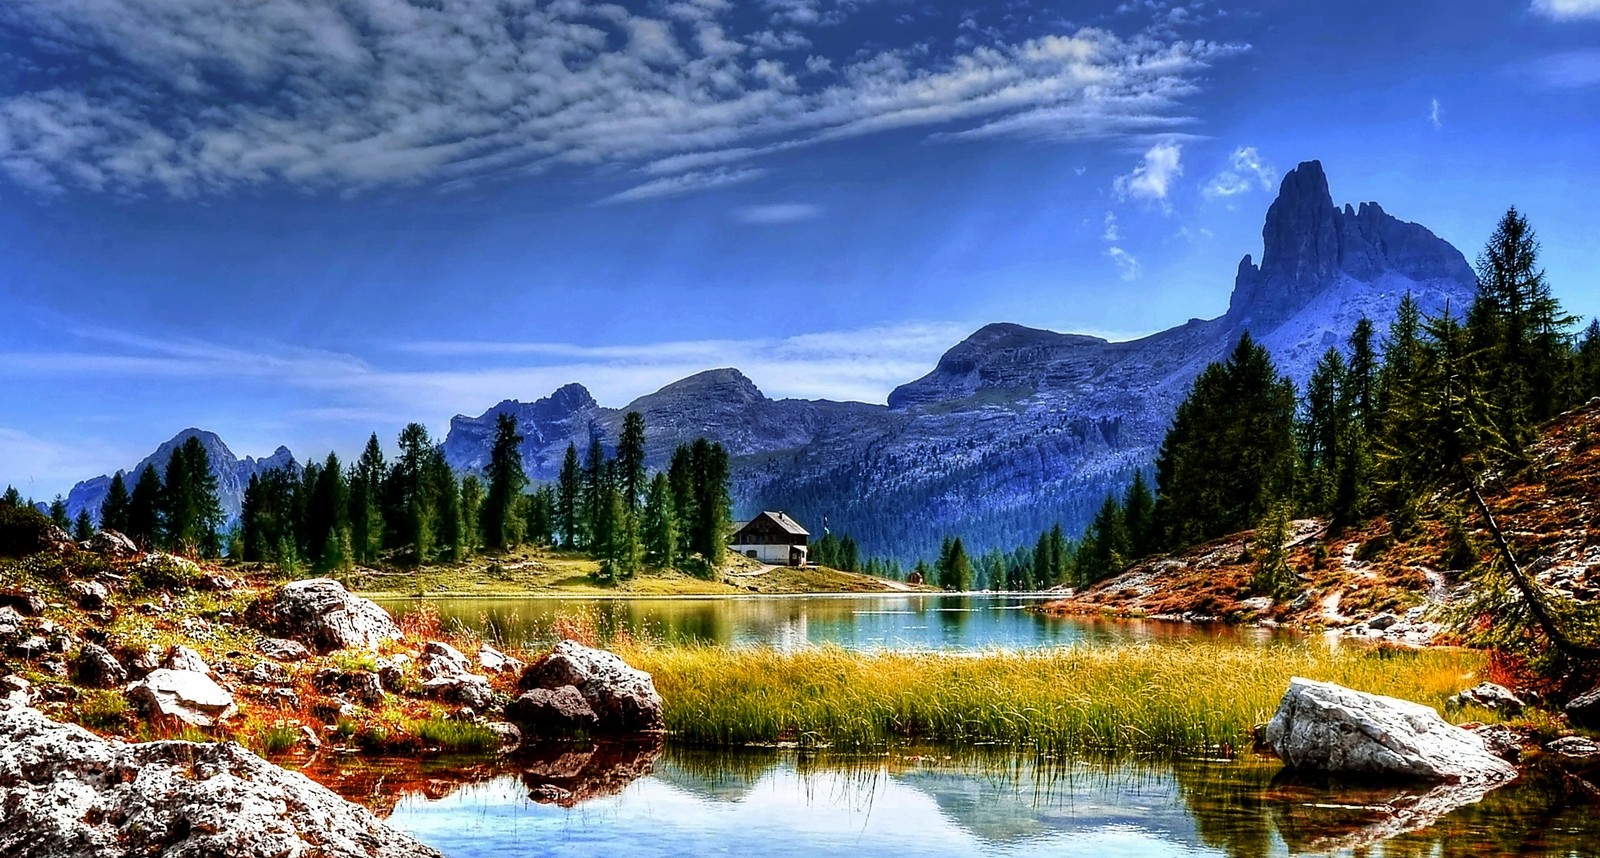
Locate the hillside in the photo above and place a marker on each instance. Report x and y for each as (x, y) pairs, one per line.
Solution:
(1548, 509)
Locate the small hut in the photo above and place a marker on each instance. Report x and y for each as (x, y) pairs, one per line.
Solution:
(772, 537)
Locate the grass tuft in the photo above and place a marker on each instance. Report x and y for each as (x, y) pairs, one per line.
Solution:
(457, 736)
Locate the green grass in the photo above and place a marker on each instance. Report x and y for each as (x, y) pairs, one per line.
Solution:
(275, 739)
(1168, 699)
(457, 736)
(103, 710)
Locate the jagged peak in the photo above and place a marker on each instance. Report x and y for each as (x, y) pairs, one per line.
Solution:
(724, 380)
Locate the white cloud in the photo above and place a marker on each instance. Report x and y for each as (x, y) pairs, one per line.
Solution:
(210, 96)
(430, 380)
(1569, 69)
(1247, 170)
(1567, 10)
(778, 213)
(1127, 266)
(1434, 115)
(1111, 233)
(684, 183)
(1153, 177)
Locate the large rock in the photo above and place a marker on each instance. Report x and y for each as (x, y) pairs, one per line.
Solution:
(623, 698)
(546, 711)
(1328, 728)
(67, 793)
(283, 649)
(89, 595)
(1488, 695)
(181, 695)
(112, 544)
(1584, 710)
(322, 613)
(96, 667)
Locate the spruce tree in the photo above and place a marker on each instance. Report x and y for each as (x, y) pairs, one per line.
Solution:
(366, 503)
(325, 512)
(596, 512)
(569, 486)
(660, 524)
(114, 509)
(12, 497)
(957, 571)
(1518, 331)
(144, 516)
(631, 477)
(506, 481)
(1587, 365)
(472, 511)
(1360, 384)
(541, 516)
(58, 513)
(1321, 430)
(1230, 451)
(1138, 517)
(82, 527)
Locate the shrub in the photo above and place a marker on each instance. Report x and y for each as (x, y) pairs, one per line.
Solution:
(459, 736)
(23, 530)
(275, 739)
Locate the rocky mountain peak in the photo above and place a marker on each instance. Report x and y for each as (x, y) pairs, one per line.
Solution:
(1310, 246)
(571, 398)
(726, 385)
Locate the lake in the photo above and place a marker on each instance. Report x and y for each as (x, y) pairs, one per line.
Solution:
(902, 621)
(645, 801)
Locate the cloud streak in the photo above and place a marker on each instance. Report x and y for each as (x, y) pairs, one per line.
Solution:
(210, 96)
(1567, 10)
(1153, 177)
(1246, 172)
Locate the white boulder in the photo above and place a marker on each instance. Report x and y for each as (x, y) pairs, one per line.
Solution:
(1328, 728)
(184, 695)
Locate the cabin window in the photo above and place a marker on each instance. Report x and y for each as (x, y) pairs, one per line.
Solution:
(750, 554)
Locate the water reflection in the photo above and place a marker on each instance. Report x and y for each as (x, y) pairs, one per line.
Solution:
(643, 801)
(897, 621)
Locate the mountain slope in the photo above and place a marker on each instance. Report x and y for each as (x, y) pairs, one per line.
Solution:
(232, 473)
(1016, 427)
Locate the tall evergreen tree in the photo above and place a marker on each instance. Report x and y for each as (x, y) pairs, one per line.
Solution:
(660, 524)
(569, 488)
(472, 511)
(1138, 518)
(190, 511)
(956, 573)
(114, 509)
(541, 516)
(366, 503)
(631, 477)
(144, 508)
(58, 513)
(82, 527)
(1230, 450)
(1587, 368)
(596, 511)
(1518, 331)
(506, 481)
(1321, 429)
(325, 513)
(417, 512)
(1360, 383)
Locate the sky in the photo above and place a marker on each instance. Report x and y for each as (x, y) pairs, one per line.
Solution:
(301, 221)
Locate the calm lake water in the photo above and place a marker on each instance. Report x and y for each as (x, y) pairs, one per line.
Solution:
(914, 621)
(649, 801)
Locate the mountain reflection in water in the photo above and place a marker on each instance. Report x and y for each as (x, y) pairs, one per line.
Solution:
(648, 800)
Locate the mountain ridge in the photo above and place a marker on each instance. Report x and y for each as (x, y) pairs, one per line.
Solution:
(1014, 427)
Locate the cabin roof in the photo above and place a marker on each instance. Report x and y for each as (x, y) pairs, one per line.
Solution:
(781, 519)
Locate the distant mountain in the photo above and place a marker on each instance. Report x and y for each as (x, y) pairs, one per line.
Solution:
(1015, 428)
(233, 474)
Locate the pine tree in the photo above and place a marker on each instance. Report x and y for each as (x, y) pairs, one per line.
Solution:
(13, 498)
(1360, 384)
(58, 513)
(82, 527)
(957, 571)
(1230, 450)
(450, 525)
(1104, 550)
(506, 481)
(631, 477)
(541, 516)
(325, 512)
(1138, 518)
(1321, 429)
(414, 494)
(569, 486)
(144, 516)
(144, 508)
(1517, 331)
(680, 475)
(114, 509)
(366, 503)
(190, 511)
(595, 511)
(660, 524)
(849, 554)
(1587, 366)
(712, 506)
(472, 511)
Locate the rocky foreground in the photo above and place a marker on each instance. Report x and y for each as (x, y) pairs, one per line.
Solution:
(67, 792)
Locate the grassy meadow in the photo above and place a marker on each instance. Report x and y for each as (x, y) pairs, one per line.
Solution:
(1188, 699)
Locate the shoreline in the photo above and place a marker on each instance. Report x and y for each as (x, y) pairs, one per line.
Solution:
(578, 595)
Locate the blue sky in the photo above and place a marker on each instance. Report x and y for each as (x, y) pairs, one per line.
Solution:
(295, 221)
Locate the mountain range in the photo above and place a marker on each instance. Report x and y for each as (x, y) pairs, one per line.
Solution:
(1015, 428)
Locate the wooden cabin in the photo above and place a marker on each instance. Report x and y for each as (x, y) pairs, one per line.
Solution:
(771, 537)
